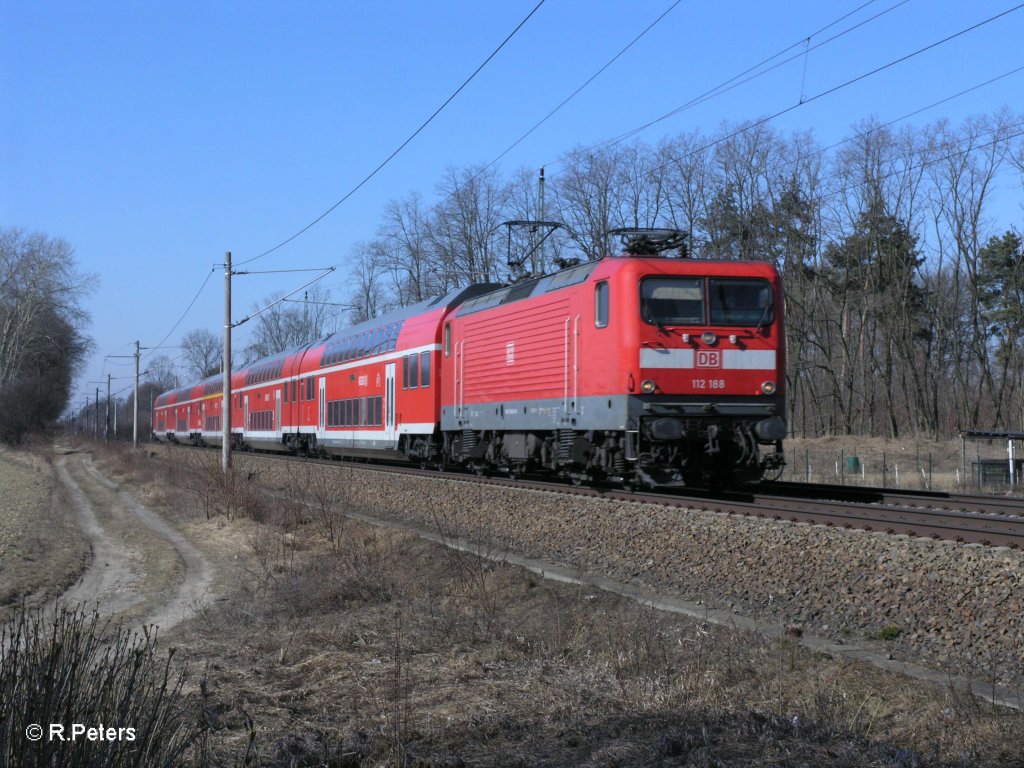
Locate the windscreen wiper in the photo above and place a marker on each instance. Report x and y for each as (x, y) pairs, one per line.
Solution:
(764, 316)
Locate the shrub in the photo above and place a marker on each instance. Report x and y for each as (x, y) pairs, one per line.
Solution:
(68, 667)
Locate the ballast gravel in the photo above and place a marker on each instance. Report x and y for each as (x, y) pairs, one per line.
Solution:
(955, 606)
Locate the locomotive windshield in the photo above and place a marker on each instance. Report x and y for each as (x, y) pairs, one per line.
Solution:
(672, 300)
(740, 302)
(706, 301)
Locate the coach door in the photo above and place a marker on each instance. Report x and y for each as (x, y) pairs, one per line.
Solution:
(277, 411)
(321, 419)
(390, 433)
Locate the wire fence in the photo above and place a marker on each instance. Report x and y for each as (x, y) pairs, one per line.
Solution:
(983, 469)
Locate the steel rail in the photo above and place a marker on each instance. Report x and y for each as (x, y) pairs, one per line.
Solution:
(964, 502)
(893, 515)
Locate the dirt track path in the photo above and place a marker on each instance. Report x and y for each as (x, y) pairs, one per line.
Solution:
(141, 569)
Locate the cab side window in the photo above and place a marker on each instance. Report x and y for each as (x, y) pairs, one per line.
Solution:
(601, 305)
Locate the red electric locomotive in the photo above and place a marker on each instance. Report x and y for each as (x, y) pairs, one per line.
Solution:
(638, 369)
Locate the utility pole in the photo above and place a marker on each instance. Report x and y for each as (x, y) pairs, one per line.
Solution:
(106, 423)
(135, 414)
(539, 251)
(228, 325)
(225, 415)
(96, 412)
(135, 411)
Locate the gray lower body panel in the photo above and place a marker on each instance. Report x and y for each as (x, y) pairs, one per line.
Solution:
(610, 413)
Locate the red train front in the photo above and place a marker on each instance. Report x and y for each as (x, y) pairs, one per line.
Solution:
(636, 369)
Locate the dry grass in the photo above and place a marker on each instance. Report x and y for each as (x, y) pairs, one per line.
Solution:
(41, 551)
(344, 644)
(385, 656)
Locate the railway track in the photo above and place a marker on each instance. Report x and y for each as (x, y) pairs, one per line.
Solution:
(985, 503)
(880, 511)
(987, 520)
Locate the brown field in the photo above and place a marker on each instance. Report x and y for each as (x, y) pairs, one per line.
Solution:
(325, 641)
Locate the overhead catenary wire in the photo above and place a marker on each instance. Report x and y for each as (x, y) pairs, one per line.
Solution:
(807, 100)
(368, 177)
(834, 89)
(736, 81)
(707, 95)
(402, 146)
(183, 314)
(591, 79)
(550, 114)
(748, 127)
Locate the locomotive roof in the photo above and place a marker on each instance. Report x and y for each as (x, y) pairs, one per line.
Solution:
(527, 288)
(567, 277)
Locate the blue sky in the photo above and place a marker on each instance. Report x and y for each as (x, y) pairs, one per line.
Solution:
(154, 136)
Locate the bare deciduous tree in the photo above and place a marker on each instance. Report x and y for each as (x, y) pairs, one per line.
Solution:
(41, 341)
(289, 324)
(203, 351)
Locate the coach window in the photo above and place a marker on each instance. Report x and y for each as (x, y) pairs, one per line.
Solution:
(424, 369)
(601, 305)
(414, 370)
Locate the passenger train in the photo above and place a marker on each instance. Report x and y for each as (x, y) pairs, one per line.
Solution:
(640, 369)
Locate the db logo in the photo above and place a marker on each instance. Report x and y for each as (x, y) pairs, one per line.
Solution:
(709, 358)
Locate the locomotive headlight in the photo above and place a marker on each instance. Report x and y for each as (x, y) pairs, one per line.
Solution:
(647, 386)
(768, 387)
(708, 337)
(686, 338)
